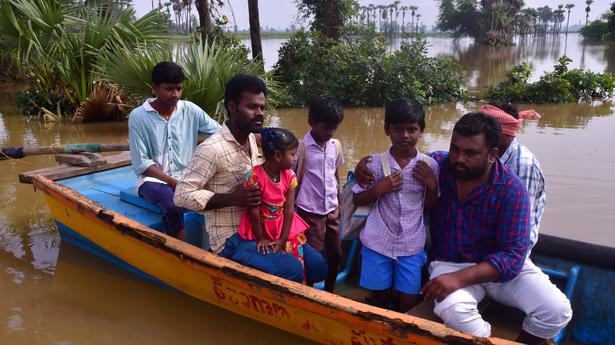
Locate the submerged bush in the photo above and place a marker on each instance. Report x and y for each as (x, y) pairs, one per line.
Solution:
(361, 72)
(32, 101)
(563, 85)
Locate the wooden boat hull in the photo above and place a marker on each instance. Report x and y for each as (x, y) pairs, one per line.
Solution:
(302, 310)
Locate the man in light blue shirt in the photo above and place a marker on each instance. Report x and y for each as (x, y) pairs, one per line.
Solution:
(519, 159)
(162, 134)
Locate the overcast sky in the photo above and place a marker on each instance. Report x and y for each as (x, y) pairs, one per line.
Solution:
(280, 14)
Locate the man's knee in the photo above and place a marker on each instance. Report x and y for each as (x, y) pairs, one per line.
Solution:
(288, 267)
(552, 316)
(464, 317)
(316, 267)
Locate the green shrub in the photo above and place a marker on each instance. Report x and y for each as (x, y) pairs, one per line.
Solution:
(31, 102)
(595, 31)
(560, 86)
(361, 72)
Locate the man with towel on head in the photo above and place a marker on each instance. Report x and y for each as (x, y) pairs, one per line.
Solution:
(519, 160)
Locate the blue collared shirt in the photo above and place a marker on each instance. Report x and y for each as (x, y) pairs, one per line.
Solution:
(166, 144)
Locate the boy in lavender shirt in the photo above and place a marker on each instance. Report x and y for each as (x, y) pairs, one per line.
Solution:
(394, 235)
(319, 157)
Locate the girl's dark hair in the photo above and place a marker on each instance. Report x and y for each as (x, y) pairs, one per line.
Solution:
(167, 72)
(507, 107)
(404, 110)
(277, 139)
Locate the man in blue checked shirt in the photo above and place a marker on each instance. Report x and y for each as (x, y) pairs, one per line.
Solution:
(480, 237)
(162, 135)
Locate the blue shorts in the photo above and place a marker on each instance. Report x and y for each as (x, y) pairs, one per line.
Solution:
(379, 272)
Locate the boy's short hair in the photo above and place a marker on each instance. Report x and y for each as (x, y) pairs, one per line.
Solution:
(167, 72)
(472, 124)
(326, 109)
(240, 83)
(404, 110)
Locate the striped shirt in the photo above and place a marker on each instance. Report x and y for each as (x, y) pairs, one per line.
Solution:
(395, 224)
(522, 162)
(166, 144)
(491, 225)
(219, 165)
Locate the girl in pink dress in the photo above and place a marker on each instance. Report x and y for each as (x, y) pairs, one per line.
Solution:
(274, 225)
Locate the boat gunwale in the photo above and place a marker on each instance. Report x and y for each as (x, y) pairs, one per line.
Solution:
(198, 256)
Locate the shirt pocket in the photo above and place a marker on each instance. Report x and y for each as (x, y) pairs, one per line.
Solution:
(231, 174)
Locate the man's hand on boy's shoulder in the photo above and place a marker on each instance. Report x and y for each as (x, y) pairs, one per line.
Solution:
(391, 183)
(363, 174)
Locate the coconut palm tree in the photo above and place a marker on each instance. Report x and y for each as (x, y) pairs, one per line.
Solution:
(587, 9)
(403, 18)
(418, 16)
(412, 13)
(255, 30)
(568, 7)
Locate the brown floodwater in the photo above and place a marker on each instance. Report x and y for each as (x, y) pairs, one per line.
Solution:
(52, 293)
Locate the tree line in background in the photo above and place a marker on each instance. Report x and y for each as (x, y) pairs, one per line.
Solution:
(497, 21)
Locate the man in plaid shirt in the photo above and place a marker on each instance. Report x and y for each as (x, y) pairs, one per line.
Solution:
(480, 236)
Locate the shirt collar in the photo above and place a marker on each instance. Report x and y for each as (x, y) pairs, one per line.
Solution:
(148, 107)
(514, 145)
(393, 161)
(308, 140)
(228, 136)
(497, 174)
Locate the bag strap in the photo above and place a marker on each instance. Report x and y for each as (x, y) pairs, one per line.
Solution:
(386, 165)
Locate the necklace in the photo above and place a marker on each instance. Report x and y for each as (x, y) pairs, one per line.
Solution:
(273, 178)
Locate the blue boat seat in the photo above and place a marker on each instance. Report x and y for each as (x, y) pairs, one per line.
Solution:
(571, 277)
(193, 221)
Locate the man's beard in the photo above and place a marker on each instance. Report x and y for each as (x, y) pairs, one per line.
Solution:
(253, 126)
(467, 173)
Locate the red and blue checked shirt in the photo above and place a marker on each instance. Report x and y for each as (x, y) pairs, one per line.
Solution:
(491, 225)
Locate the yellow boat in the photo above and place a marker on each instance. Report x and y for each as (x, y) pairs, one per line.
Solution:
(90, 214)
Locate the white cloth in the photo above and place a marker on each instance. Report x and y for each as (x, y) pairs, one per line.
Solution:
(547, 309)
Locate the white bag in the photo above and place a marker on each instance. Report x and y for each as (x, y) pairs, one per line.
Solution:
(353, 217)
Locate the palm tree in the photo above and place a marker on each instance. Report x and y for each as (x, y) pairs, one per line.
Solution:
(587, 9)
(371, 9)
(391, 23)
(403, 18)
(418, 16)
(396, 8)
(255, 30)
(413, 13)
(568, 7)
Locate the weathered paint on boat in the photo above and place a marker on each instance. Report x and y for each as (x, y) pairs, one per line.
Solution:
(302, 310)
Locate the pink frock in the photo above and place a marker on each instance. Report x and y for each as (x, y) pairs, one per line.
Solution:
(273, 197)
